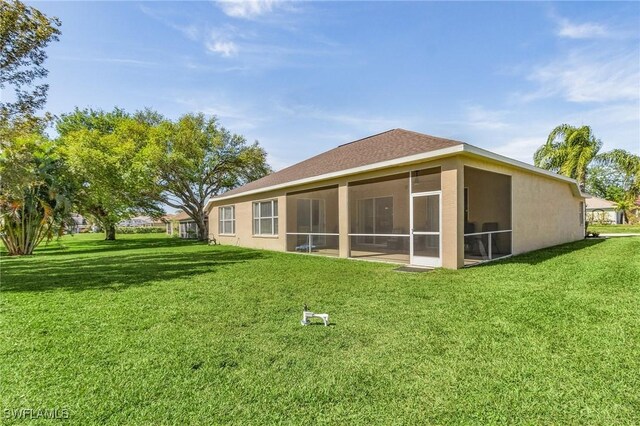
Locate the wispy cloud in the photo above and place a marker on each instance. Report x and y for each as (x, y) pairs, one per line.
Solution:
(234, 115)
(225, 48)
(588, 75)
(121, 61)
(361, 121)
(247, 9)
(483, 118)
(585, 30)
(521, 148)
(190, 31)
(256, 47)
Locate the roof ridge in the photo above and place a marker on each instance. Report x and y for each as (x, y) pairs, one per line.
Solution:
(330, 150)
(367, 137)
(432, 136)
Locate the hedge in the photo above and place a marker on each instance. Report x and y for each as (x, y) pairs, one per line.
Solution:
(141, 230)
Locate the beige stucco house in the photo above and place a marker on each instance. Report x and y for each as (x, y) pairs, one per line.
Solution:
(404, 197)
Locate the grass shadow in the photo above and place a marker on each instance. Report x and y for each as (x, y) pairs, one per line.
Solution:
(115, 272)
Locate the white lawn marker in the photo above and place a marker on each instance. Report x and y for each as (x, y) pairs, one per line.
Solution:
(307, 315)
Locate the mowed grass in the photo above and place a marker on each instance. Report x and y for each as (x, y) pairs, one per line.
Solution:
(615, 229)
(153, 330)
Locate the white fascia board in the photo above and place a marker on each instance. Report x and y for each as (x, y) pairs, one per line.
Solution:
(356, 170)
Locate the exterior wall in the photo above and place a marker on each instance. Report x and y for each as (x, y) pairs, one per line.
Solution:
(545, 212)
(452, 213)
(244, 222)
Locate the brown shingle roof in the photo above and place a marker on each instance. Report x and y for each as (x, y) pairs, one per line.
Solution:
(180, 215)
(384, 146)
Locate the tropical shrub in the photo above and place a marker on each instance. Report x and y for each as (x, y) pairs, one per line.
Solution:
(35, 197)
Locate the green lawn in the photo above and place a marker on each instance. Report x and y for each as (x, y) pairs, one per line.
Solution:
(153, 330)
(615, 229)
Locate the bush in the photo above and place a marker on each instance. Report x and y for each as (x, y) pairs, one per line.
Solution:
(141, 230)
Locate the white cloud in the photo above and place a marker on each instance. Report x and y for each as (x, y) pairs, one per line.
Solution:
(482, 118)
(247, 9)
(569, 29)
(522, 148)
(591, 75)
(224, 47)
(192, 32)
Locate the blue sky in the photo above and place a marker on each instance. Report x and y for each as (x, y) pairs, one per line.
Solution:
(305, 77)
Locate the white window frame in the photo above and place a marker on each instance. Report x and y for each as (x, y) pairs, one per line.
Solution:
(257, 231)
(222, 221)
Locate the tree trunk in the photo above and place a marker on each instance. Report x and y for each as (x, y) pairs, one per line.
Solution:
(110, 232)
(202, 228)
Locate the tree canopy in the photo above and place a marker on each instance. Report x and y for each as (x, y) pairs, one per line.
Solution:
(25, 32)
(623, 181)
(198, 159)
(110, 161)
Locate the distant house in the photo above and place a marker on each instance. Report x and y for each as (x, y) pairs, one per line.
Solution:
(404, 197)
(187, 227)
(80, 224)
(602, 211)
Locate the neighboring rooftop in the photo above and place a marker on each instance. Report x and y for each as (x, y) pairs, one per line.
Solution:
(181, 216)
(389, 145)
(599, 203)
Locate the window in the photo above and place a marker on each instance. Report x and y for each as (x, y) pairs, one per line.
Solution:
(265, 218)
(581, 216)
(227, 220)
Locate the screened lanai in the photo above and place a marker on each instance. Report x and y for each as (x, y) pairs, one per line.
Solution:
(312, 221)
(487, 215)
(380, 216)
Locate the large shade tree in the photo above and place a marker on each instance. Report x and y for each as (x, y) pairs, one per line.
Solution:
(199, 159)
(111, 164)
(569, 150)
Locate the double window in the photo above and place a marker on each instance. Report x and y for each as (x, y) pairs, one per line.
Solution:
(265, 218)
(227, 220)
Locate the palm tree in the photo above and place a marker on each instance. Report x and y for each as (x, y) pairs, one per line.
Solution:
(569, 151)
(628, 166)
